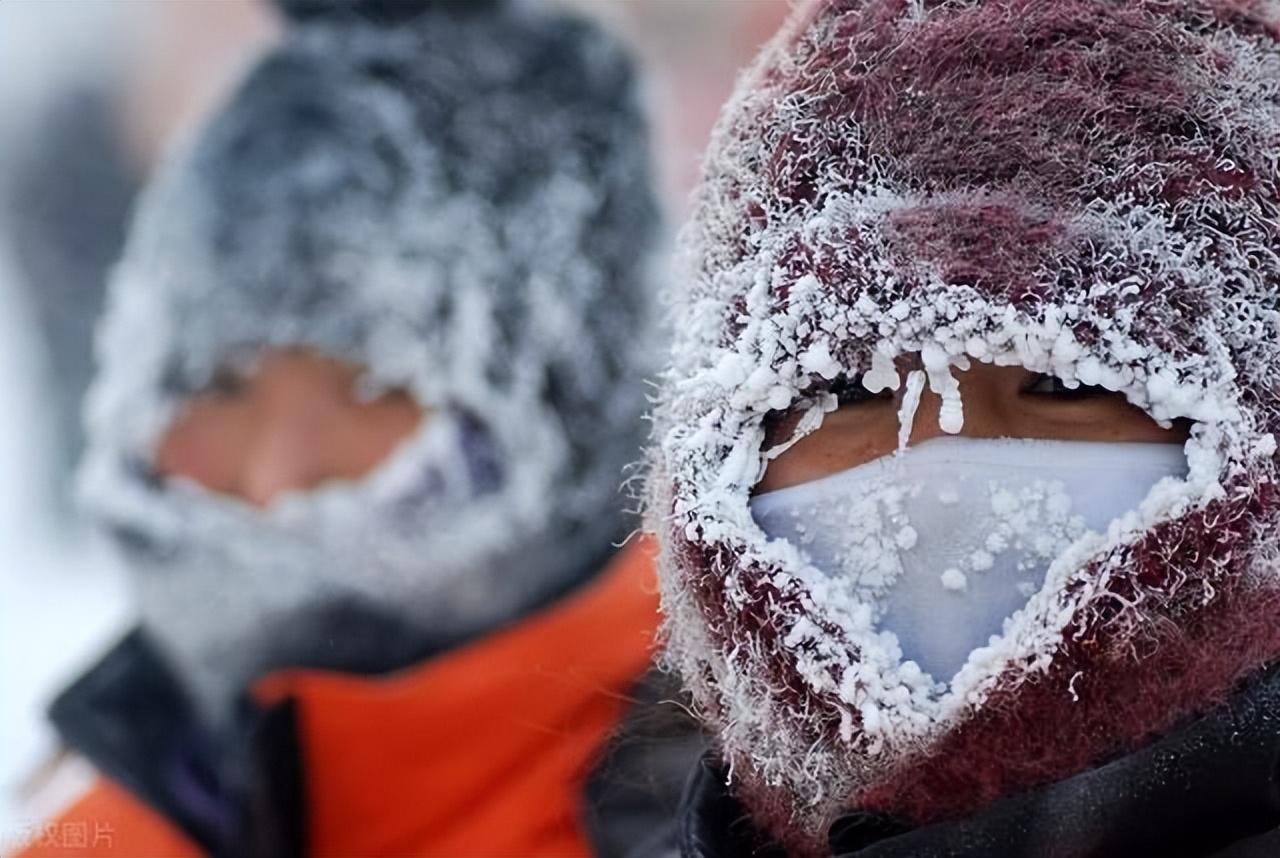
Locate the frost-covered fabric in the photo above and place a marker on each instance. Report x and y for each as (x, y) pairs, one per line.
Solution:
(455, 197)
(1081, 188)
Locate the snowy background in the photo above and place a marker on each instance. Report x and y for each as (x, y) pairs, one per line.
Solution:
(60, 595)
(160, 66)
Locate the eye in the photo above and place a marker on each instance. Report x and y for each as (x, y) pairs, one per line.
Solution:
(850, 391)
(228, 383)
(1051, 386)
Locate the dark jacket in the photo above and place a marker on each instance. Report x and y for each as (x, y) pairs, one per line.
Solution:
(1211, 789)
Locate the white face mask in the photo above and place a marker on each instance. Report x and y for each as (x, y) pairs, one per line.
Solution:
(951, 537)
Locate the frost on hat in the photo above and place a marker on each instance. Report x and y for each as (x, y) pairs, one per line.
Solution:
(455, 196)
(1086, 189)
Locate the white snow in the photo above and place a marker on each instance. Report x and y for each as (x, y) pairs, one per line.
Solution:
(942, 381)
(883, 374)
(907, 537)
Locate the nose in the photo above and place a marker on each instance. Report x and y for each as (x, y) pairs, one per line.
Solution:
(284, 454)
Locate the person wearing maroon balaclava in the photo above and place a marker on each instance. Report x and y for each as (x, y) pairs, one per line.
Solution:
(371, 369)
(964, 464)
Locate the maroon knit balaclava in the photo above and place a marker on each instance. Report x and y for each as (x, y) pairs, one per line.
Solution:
(1086, 188)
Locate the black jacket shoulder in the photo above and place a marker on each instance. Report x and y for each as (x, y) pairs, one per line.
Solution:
(1210, 789)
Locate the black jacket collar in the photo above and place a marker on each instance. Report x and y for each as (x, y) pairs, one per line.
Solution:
(1208, 790)
(233, 795)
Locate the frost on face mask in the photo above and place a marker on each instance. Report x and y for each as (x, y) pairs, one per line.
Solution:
(948, 540)
(457, 199)
(887, 183)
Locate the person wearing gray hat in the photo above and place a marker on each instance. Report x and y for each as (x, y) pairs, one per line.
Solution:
(369, 377)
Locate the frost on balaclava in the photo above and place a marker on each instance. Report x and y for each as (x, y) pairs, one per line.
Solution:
(456, 197)
(1081, 188)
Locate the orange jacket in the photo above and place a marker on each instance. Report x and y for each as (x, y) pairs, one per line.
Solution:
(482, 751)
